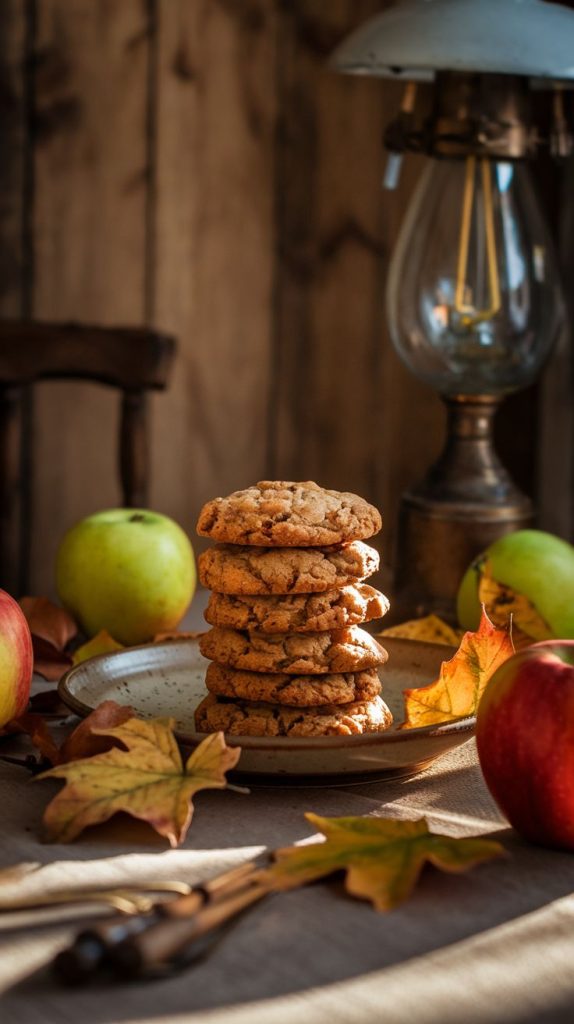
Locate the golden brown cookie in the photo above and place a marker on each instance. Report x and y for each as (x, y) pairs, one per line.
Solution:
(244, 718)
(294, 691)
(297, 613)
(231, 569)
(343, 650)
(280, 513)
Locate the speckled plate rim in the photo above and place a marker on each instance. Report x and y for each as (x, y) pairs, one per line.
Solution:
(458, 727)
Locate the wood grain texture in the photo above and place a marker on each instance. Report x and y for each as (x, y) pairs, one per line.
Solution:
(196, 165)
(13, 132)
(343, 407)
(10, 486)
(90, 163)
(555, 449)
(214, 246)
(16, 208)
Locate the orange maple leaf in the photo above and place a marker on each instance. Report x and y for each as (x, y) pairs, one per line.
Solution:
(147, 780)
(457, 691)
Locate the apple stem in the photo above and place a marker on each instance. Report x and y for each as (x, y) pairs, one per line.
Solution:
(137, 517)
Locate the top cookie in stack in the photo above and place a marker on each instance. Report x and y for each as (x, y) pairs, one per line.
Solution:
(288, 594)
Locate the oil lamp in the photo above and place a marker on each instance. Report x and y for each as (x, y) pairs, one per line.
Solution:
(473, 294)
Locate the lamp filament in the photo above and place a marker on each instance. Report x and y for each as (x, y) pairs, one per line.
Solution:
(469, 315)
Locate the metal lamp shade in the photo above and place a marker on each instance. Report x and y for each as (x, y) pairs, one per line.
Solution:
(415, 38)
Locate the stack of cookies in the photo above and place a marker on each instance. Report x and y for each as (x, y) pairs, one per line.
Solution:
(287, 578)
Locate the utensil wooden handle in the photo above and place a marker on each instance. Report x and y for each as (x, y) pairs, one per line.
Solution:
(96, 946)
(210, 891)
(166, 941)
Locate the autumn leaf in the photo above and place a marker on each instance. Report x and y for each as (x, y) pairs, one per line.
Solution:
(34, 726)
(462, 680)
(431, 629)
(52, 629)
(85, 740)
(91, 736)
(382, 857)
(49, 703)
(49, 622)
(506, 606)
(101, 643)
(146, 780)
(49, 662)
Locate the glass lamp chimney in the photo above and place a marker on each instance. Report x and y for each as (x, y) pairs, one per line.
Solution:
(473, 294)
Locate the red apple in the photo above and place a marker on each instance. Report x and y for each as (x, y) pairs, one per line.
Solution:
(525, 739)
(16, 659)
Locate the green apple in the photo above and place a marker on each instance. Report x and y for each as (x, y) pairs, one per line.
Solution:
(129, 571)
(533, 563)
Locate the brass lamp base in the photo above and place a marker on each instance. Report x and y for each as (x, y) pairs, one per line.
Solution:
(464, 503)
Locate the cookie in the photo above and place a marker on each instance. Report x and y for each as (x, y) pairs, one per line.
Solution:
(245, 718)
(231, 569)
(343, 650)
(297, 613)
(279, 513)
(295, 691)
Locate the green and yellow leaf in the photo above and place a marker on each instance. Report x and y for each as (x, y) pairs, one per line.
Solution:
(147, 780)
(382, 857)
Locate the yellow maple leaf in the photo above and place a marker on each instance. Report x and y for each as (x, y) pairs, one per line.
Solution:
(505, 605)
(430, 628)
(462, 680)
(382, 857)
(147, 780)
(101, 643)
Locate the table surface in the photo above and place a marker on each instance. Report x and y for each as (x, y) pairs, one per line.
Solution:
(490, 946)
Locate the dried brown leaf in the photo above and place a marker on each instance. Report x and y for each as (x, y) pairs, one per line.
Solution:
(49, 662)
(49, 704)
(34, 726)
(91, 737)
(49, 622)
(86, 739)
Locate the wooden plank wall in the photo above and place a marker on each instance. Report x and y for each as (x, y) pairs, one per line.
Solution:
(194, 165)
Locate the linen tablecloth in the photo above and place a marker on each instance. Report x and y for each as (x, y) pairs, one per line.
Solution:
(491, 946)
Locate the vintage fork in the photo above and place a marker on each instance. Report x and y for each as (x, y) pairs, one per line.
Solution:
(125, 900)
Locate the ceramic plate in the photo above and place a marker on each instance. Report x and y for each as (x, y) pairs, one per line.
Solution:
(161, 680)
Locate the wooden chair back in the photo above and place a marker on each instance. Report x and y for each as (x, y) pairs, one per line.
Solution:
(132, 360)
